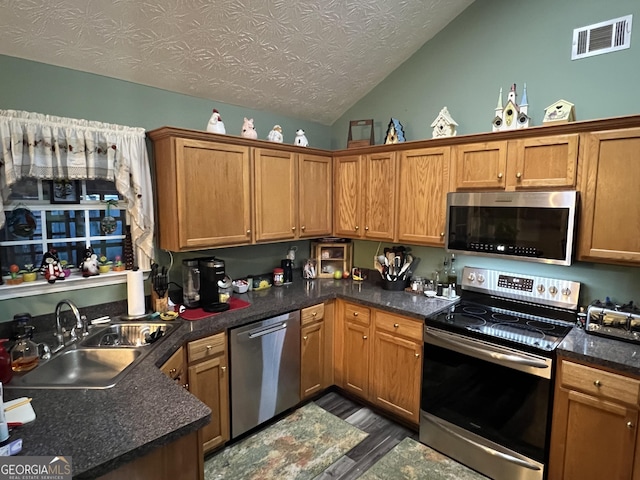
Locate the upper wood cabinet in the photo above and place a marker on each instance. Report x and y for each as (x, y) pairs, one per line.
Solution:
(610, 216)
(315, 199)
(526, 163)
(422, 195)
(203, 194)
(365, 194)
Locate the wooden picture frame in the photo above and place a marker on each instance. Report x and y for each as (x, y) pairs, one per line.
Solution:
(64, 191)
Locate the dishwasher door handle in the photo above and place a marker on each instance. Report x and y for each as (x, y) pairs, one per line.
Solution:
(266, 331)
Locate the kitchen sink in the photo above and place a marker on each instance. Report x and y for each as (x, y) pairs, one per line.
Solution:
(97, 361)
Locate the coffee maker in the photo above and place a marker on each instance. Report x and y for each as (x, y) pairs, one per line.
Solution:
(211, 272)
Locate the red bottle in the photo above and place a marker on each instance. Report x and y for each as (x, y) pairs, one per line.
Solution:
(6, 373)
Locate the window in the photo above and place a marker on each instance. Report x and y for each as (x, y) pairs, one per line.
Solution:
(36, 222)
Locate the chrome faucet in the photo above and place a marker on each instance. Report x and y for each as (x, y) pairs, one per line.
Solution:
(81, 324)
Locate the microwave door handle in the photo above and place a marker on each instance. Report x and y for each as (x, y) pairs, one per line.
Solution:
(491, 354)
(510, 458)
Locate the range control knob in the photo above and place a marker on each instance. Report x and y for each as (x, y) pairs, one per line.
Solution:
(553, 290)
(480, 278)
(471, 277)
(540, 288)
(566, 291)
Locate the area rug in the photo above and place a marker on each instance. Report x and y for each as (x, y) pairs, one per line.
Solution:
(298, 447)
(410, 460)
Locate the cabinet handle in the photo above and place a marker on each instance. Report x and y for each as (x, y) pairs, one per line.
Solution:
(357, 228)
(630, 425)
(518, 175)
(500, 175)
(248, 232)
(305, 338)
(597, 383)
(172, 371)
(293, 229)
(366, 228)
(417, 355)
(209, 347)
(355, 314)
(442, 234)
(314, 314)
(364, 337)
(303, 228)
(395, 325)
(186, 386)
(223, 368)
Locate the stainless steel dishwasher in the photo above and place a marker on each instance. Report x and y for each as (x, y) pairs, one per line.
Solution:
(265, 370)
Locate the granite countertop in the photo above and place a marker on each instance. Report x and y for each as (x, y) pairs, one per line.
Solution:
(618, 355)
(104, 429)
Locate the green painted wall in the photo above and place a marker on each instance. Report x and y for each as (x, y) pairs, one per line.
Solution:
(493, 44)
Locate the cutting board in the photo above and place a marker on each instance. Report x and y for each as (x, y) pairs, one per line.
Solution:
(23, 414)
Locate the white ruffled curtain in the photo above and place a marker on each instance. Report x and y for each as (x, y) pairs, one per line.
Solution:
(48, 147)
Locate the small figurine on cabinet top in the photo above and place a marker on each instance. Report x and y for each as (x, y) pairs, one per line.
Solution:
(215, 124)
(275, 135)
(395, 132)
(512, 116)
(89, 265)
(444, 125)
(559, 112)
(51, 268)
(248, 130)
(301, 139)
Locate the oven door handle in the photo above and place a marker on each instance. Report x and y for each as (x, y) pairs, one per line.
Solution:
(491, 354)
(505, 456)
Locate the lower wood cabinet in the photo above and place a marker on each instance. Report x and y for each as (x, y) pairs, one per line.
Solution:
(595, 424)
(176, 367)
(209, 381)
(379, 358)
(316, 349)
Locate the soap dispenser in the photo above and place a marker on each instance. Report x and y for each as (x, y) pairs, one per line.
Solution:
(24, 354)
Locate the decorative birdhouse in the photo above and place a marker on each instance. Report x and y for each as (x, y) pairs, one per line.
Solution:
(512, 115)
(395, 132)
(444, 125)
(559, 112)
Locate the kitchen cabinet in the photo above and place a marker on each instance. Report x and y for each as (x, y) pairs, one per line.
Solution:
(292, 195)
(525, 163)
(175, 368)
(365, 196)
(331, 257)
(396, 367)
(209, 382)
(353, 348)
(422, 195)
(203, 193)
(316, 352)
(595, 417)
(610, 216)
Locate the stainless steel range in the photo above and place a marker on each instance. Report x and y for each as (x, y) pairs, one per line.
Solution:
(488, 363)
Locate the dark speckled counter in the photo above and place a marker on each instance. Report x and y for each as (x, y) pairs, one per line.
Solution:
(104, 429)
(623, 357)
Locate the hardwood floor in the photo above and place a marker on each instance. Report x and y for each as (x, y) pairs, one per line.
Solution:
(384, 434)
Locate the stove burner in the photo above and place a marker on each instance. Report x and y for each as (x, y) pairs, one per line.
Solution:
(467, 320)
(504, 318)
(519, 329)
(473, 310)
(541, 325)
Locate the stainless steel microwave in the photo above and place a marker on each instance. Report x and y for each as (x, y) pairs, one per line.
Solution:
(530, 226)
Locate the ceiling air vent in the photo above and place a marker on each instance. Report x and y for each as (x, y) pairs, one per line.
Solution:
(603, 37)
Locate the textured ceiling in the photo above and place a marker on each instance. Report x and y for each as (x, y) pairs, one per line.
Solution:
(309, 59)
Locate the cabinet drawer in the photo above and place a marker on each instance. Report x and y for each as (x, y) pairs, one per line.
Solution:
(395, 324)
(312, 314)
(600, 383)
(357, 313)
(206, 347)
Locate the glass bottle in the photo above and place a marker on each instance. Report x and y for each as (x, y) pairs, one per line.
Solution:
(24, 354)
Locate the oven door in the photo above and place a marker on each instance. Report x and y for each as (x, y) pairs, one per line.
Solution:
(486, 405)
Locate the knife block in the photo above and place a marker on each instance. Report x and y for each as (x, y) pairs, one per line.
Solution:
(159, 304)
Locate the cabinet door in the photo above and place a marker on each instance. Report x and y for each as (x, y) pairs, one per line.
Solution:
(347, 194)
(275, 200)
(610, 217)
(592, 438)
(312, 359)
(209, 382)
(480, 165)
(380, 188)
(213, 196)
(314, 194)
(356, 358)
(422, 195)
(543, 162)
(396, 374)
(174, 367)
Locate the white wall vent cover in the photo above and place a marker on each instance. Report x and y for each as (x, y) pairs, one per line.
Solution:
(603, 37)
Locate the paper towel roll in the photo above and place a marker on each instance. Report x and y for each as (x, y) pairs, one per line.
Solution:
(135, 293)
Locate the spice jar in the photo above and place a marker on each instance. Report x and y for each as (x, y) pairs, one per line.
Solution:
(417, 285)
(278, 276)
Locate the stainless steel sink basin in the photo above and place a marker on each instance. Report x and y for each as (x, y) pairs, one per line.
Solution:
(80, 368)
(127, 335)
(99, 360)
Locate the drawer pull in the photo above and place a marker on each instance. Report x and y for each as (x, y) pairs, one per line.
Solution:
(364, 337)
(597, 383)
(314, 314)
(209, 347)
(630, 425)
(172, 371)
(355, 314)
(395, 325)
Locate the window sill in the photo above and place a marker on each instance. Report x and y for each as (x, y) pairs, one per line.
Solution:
(74, 282)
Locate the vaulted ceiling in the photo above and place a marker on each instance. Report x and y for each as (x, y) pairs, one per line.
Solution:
(309, 59)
